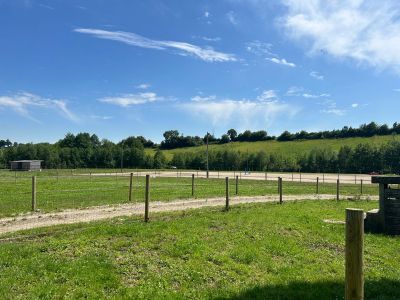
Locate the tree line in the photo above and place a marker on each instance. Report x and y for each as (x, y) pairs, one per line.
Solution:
(86, 151)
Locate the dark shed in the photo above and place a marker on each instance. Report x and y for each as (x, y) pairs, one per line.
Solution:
(26, 165)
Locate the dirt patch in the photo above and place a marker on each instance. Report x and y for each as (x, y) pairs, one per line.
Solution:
(71, 216)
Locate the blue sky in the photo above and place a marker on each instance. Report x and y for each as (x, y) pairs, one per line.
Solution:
(120, 68)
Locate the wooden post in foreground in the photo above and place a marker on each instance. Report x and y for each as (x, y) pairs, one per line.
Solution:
(33, 193)
(317, 185)
(361, 186)
(130, 187)
(227, 193)
(337, 190)
(192, 185)
(280, 189)
(354, 278)
(237, 184)
(147, 199)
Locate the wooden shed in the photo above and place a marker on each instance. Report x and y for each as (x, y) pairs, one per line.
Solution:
(26, 165)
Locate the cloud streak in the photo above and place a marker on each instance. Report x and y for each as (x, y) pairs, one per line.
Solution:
(22, 103)
(366, 31)
(281, 61)
(127, 100)
(133, 39)
(245, 113)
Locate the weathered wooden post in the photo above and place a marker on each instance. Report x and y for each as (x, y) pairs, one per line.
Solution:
(147, 199)
(227, 193)
(337, 190)
(33, 193)
(355, 179)
(237, 184)
(317, 185)
(192, 185)
(354, 278)
(361, 186)
(323, 178)
(292, 177)
(300, 176)
(280, 190)
(130, 187)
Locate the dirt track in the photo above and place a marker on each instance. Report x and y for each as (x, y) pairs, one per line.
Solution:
(36, 220)
(295, 176)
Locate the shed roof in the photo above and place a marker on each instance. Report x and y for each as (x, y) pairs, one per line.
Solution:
(26, 160)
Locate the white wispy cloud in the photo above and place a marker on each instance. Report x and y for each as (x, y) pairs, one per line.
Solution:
(331, 108)
(396, 90)
(133, 39)
(355, 105)
(231, 16)
(314, 96)
(281, 61)
(267, 95)
(22, 103)
(316, 75)
(294, 91)
(211, 39)
(245, 113)
(97, 117)
(366, 31)
(143, 86)
(260, 48)
(200, 98)
(126, 100)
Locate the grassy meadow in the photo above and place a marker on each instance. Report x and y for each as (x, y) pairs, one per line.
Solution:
(292, 148)
(65, 191)
(257, 251)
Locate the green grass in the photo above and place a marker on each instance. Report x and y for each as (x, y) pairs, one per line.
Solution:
(55, 193)
(295, 148)
(260, 251)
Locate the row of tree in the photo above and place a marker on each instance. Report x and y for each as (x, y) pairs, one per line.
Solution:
(86, 151)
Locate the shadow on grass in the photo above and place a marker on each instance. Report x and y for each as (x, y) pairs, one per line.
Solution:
(381, 289)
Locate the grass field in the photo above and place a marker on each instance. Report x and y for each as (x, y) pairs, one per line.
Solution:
(285, 148)
(65, 191)
(260, 251)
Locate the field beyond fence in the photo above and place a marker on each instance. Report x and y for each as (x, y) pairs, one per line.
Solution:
(74, 189)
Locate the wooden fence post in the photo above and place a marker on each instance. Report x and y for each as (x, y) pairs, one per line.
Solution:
(227, 193)
(130, 187)
(280, 189)
(354, 278)
(317, 185)
(147, 199)
(361, 186)
(192, 185)
(33, 193)
(300, 176)
(237, 184)
(337, 189)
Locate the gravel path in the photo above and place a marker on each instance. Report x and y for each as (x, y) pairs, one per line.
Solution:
(36, 220)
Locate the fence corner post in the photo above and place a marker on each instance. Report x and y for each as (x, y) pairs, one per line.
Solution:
(227, 193)
(130, 186)
(337, 189)
(192, 185)
(237, 185)
(147, 199)
(354, 256)
(33, 193)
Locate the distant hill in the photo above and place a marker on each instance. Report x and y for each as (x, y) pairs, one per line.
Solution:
(291, 148)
